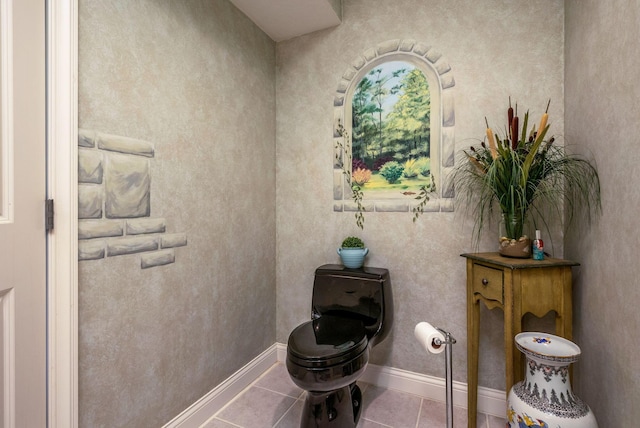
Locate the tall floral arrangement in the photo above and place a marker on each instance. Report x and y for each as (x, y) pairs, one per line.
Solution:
(520, 171)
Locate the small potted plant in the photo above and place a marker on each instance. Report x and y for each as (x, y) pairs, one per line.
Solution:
(352, 252)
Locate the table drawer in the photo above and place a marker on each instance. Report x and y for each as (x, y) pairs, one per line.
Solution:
(488, 282)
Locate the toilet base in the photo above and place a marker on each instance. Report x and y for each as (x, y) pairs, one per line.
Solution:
(336, 409)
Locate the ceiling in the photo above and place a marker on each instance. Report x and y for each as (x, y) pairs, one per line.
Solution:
(285, 19)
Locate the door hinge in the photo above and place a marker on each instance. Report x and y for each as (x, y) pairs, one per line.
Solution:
(48, 215)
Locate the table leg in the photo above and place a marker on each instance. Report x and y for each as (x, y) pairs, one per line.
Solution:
(564, 314)
(473, 330)
(508, 349)
(513, 313)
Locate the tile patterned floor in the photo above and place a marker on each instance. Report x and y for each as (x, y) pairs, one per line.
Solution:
(273, 401)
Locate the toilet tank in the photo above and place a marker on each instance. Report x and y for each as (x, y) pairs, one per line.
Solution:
(363, 294)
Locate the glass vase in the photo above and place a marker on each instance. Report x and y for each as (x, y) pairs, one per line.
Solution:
(513, 226)
(513, 236)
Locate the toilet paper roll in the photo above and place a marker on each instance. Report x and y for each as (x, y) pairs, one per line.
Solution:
(426, 334)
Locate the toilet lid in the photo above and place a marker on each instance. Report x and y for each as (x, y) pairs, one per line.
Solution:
(326, 341)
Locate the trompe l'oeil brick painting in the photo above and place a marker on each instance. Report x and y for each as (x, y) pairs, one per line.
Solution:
(114, 202)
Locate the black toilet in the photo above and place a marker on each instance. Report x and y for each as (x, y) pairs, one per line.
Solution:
(352, 310)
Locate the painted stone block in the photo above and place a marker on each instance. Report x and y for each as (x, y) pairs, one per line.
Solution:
(127, 186)
(118, 247)
(86, 138)
(91, 250)
(421, 48)
(349, 206)
(433, 56)
(448, 146)
(89, 201)
(447, 205)
(172, 240)
(392, 206)
(157, 258)
(146, 225)
(90, 168)
(447, 80)
(358, 63)
(338, 181)
(369, 54)
(117, 143)
(442, 67)
(388, 46)
(448, 189)
(448, 112)
(407, 45)
(89, 229)
(432, 206)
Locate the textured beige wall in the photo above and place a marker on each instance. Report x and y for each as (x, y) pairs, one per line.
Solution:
(602, 93)
(197, 79)
(496, 49)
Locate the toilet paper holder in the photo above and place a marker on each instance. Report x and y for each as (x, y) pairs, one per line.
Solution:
(448, 338)
(448, 341)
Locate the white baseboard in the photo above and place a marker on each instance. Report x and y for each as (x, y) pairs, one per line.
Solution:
(200, 411)
(490, 401)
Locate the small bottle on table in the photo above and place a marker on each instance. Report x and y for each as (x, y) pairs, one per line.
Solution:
(538, 247)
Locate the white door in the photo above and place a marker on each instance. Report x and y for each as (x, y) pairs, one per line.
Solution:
(22, 231)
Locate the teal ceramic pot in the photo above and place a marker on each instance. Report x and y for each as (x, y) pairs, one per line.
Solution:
(353, 258)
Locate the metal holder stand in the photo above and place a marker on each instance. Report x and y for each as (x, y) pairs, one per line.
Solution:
(448, 341)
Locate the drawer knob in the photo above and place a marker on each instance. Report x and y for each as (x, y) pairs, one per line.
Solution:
(485, 281)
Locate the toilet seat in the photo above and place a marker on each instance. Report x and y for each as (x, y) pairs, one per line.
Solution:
(326, 341)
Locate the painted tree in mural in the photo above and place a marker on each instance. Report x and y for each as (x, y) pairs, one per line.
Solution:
(369, 112)
(407, 128)
(391, 116)
(363, 118)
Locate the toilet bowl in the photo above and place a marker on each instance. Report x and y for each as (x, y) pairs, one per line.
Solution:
(352, 310)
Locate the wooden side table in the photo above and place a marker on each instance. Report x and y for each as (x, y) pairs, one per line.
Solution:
(517, 286)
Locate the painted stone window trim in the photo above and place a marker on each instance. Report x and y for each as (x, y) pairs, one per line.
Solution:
(441, 83)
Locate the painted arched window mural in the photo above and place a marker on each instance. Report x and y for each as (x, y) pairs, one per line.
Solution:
(390, 130)
(394, 130)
